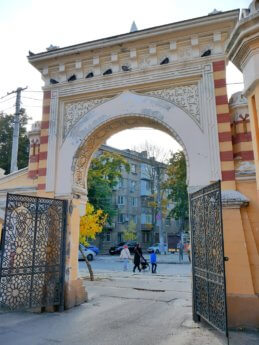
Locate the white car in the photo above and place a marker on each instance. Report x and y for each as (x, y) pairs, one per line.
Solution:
(90, 254)
(156, 248)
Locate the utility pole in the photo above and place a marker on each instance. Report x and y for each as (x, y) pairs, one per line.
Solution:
(159, 217)
(16, 128)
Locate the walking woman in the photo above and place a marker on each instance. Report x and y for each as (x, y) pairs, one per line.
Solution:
(125, 255)
(137, 256)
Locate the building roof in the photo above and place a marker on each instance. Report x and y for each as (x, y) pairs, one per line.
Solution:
(132, 36)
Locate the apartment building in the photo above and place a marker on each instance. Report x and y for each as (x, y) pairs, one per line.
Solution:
(131, 199)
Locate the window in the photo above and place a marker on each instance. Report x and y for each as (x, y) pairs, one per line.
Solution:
(146, 218)
(167, 221)
(133, 168)
(121, 183)
(132, 186)
(107, 236)
(134, 201)
(122, 218)
(120, 237)
(121, 200)
(134, 218)
(145, 236)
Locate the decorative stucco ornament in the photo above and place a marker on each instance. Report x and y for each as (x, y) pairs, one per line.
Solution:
(185, 97)
(74, 111)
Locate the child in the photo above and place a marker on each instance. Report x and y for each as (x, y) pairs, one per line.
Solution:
(153, 261)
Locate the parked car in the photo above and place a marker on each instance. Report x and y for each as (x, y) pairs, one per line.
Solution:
(156, 248)
(93, 248)
(90, 254)
(117, 249)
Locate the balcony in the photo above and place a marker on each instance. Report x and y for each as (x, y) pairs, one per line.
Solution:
(145, 227)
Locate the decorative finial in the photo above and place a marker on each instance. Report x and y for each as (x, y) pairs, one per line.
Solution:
(133, 27)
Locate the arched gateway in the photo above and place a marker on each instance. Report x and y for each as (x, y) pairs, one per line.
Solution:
(168, 84)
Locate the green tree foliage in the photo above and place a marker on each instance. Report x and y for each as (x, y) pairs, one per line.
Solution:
(103, 175)
(176, 185)
(129, 232)
(6, 136)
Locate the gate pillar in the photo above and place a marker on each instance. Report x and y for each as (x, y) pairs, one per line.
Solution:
(75, 292)
(243, 304)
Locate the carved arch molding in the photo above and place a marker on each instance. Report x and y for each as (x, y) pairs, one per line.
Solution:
(84, 154)
(185, 97)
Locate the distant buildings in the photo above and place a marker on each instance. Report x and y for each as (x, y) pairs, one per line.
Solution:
(132, 197)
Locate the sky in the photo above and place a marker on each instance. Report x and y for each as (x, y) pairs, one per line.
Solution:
(35, 24)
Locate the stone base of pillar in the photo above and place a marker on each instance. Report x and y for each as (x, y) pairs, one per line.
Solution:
(243, 311)
(75, 293)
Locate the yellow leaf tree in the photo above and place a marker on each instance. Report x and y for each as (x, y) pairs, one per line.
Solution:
(90, 224)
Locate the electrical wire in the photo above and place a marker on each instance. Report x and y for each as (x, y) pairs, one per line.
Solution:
(35, 99)
(6, 100)
(32, 106)
(32, 91)
(241, 82)
(4, 96)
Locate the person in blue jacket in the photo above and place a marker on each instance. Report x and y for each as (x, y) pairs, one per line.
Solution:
(153, 261)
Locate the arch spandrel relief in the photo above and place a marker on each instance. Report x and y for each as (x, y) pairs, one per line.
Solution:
(76, 110)
(186, 97)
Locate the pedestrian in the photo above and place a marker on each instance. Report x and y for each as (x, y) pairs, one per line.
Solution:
(137, 255)
(153, 261)
(125, 255)
(180, 247)
(189, 251)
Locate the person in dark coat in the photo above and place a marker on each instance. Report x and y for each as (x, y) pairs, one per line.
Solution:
(137, 256)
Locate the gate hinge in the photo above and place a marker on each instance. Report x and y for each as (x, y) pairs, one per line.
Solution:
(226, 258)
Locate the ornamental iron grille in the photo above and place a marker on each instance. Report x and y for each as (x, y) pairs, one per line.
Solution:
(33, 252)
(209, 285)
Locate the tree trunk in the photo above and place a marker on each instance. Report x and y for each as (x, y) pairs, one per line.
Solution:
(87, 264)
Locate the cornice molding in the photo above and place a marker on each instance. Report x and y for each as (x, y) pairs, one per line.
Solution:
(245, 33)
(205, 21)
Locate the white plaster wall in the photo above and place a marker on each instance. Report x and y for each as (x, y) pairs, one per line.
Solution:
(181, 125)
(251, 70)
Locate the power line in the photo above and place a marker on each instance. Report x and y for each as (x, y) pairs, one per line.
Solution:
(33, 91)
(6, 100)
(241, 82)
(35, 99)
(32, 106)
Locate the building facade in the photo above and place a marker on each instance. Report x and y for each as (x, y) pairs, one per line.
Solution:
(88, 97)
(132, 199)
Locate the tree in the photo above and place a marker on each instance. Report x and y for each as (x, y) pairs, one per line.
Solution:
(90, 224)
(153, 151)
(6, 137)
(103, 175)
(129, 232)
(177, 187)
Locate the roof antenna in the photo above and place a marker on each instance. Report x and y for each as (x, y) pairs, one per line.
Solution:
(133, 27)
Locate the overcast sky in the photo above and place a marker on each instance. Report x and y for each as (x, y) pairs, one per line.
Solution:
(35, 24)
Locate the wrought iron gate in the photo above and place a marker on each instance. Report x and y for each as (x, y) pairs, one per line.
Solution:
(209, 287)
(32, 253)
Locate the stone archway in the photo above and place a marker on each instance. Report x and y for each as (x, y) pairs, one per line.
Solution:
(129, 110)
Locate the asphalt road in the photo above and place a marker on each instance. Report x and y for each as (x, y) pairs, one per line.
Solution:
(167, 265)
(123, 309)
